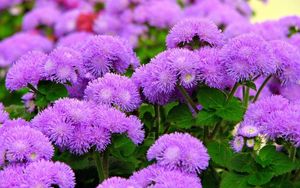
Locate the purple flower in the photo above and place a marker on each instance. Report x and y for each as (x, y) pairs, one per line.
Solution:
(246, 56)
(67, 22)
(290, 22)
(4, 116)
(12, 176)
(103, 54)
(179, 151)
(248, 131)
(76, 90)
(295, 40)
(117, 182)
(74, 40)
(270, 30)
(237, 143)
(25, 144)
(159, 177)
(40, 16)
(10, 51)
(27, 70)
(116, 90)
(47, 173)
(195, 30)
(28, 100)
(63, 65)
(237, 28)
(291, 92)
(287, 58)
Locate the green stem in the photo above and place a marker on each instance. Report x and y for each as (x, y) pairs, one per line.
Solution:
(30, 86)
(261, 88)
(158, 120)
(246, 96)
(187, 98)
(232, 92)
(99, 166)
(106, 163)
(292, 153)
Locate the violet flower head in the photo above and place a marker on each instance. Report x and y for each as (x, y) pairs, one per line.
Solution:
(17, 45)
(117, 182)
(25, 144)
(40, 16)
(76, 90)
(27, 70)
(179, 151)
(115, 90)
(74, 40)
(46, 173)
(66, 23)
(237, 143)
(3, 114)
(287, 58)
(295, 40)
(246, 56)
(103, 54)
(270, 30)
(290, 24)
(159, 177)
(248, 131)
(238, 28)
(12, 176)
(28, 100)
(188, 31)
(63, 65)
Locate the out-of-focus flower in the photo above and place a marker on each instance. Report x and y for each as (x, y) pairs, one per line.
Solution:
(117, 182)
(28, 100)
(237, 143)
(3, 114)
(74, 40)
(179, 151)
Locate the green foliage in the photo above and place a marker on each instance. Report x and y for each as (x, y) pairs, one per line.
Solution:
(181, 116)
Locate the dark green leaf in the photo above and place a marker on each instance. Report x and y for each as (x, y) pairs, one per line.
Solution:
(52, 91)
(250, 84)
(232, 180)
(243, 162)
(18, 111)
(181, 116)
(206, 118)
(146, 108)
(220, 153)
(232, 111)
(260, 178)
(210, 97)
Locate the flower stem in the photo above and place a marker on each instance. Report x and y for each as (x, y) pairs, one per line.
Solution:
(261, 88)
(187, 98)
(246, 96)
(232, 92)
(102, 168)
(158, 120)
(30, 86)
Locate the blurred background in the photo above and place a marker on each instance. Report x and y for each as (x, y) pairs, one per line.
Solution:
(274, 9)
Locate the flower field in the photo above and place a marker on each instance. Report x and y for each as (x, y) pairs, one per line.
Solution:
(148, 94)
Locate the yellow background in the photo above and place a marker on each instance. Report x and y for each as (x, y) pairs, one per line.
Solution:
(274, 9)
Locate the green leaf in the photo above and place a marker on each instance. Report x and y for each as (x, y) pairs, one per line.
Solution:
(243, 162)
(123, 145)
(232, 111)
(52, 91)
(18, 111)
(250, 84)
(260, 178)
(220, 153)
(210, 97)
(277, 162)
(206, 118)
(146, 108)
(181, 116)
(233, 180)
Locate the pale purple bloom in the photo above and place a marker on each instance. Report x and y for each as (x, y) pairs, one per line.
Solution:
(66, 23)
(117, 182)
(63, 65)
(179, 151)
(159, 177)
(291, 92)
(287, 58)
(290, 23)
(12, 177)
(202, 31)
(74, 40)
(237, 143)
(115, 90)
(103, 54)
(248, 131)
(246, 56)
(270, 30)
(28, 100)
(25, 144)
(46, 173)
(295, 40)
(27, 70)
(17, 45)
(76, 90)
(3, 114)
(250, 143)
(238, 28)
(40, 16)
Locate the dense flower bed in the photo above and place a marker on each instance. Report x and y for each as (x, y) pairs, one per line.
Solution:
(147, 93)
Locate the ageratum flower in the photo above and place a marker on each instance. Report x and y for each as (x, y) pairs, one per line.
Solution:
(290, 23)
(63, 65)
(212, 71)
(159, 177)
(291, 92)
(103, 54)
(237, 28)
(158, 79)
(46, 174)
(4, 116)
(248, 131)
(246, 56)
(17, 45)
(237, 143)
(270, 30)
(161, 14)
(66, 23)
(76, 90)
(295, 40)
(74, 40)
(116, 90)
(117, 182)
(24, 144)
(27, 70)
(202, 32)
(28, 100)
(179, 151)
(287, 58)
(40, 16)
(12, 176)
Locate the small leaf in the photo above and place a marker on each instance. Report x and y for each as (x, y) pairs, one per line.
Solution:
(243, 162)
(232, 111)
(232, 180)
(260, 178)
(210, 97)
(181, 116)
(220, 153)
(250, 84)
(206, 118)
(52, 91)
(18, 111)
